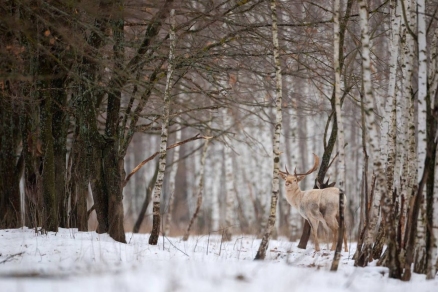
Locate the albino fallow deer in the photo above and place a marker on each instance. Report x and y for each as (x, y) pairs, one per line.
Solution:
(316, 205)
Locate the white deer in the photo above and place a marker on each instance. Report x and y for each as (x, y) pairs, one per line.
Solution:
(316, 205)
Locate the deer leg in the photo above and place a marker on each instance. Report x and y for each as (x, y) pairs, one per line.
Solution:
(333, 224)
(314, 226)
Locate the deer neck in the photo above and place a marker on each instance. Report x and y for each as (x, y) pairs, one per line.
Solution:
(294, 196)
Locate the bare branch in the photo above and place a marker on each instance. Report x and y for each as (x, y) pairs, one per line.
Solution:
(138, 167)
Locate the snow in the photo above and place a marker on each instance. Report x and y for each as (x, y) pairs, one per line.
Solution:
(85, 261)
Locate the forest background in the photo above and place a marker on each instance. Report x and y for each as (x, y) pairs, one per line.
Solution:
(90, 89)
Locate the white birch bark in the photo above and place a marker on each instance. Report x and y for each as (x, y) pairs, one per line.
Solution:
(261, 253)
(410, 163)
(390, 224)
(421, 134)
(214, 177)
(370, 132)
(422, 85)
(172, 177)
(156, 197)
(230, 218)
(339, 118)
(391, 95)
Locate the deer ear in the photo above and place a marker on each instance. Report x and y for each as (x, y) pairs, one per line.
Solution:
(300, 177)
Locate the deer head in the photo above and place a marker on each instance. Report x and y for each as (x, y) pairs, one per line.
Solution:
(297, 177)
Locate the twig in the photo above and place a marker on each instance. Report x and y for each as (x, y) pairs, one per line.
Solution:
(175, 246)
(331, 162)
(138, 167)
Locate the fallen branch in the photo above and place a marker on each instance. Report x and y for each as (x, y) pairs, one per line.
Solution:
(11, 256)
(138, 167)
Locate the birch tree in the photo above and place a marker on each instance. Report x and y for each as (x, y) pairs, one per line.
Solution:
(230, 197)
(340, 125)
(172, 178)
(409, 165)
(261, 253)
(370, 134)
(156, 199)
(214, 186)
(420, 255)
(391, 112)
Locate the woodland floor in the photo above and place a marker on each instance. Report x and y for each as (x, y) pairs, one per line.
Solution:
(85, 261)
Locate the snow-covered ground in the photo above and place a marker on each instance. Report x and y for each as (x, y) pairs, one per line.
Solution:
(85, 261)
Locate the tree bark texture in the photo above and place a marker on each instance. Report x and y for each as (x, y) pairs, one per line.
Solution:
(261, 253)
(153, 239)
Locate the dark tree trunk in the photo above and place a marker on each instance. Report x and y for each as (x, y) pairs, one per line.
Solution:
(431, 152)
(59, 146)
(78, 185)
(50, 222)
(10, 167)
(32, 168)
(112, 165)
(380, 242)
(146, 202)
(411, 226)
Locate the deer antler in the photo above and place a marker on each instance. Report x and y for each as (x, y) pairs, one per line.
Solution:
(284, 172)
(315, 167)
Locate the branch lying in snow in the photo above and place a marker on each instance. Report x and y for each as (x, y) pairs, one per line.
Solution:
(11, 256)
(175, 246)
(138, 167)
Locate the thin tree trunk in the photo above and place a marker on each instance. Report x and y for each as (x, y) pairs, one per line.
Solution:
(146, 201)
(433, 254)
(340, 126)
(50, 222)
(388, 210)
(410, 172)
(365, 254)
(112, 163)
(215, 189)
(230, 199)
(59, 147)
(10, 168)
(156, 219)
(200, 190)
(261, 253)
(432, 201)
(420, 257)
(172, 177)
